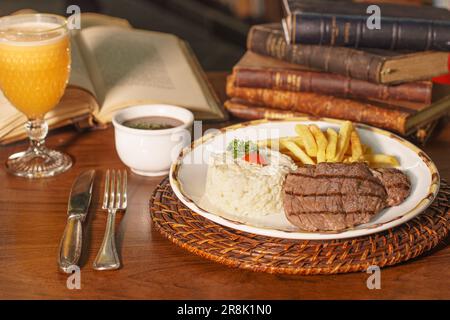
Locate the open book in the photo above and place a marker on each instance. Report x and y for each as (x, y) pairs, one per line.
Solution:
(115, 66)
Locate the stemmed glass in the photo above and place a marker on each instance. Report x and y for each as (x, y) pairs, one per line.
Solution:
(34, 70)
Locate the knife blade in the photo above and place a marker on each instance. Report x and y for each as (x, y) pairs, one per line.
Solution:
(77, 210)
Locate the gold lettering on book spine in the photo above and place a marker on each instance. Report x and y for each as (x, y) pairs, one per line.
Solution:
(289, 81)
(347, 32)
(278, 115)
(293, 82)
(281, 44)
(298, 83)
(276, 46)
(277, 80)
(334, 31)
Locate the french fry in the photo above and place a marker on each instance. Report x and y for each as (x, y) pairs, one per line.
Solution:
(290, 154)
(273, 144)
(313, 146)
(321, 141)
(347, 159)
(366, 149)
(307, 139)
(331, 146)
(297, 151)
(343, 140)
(381, 160)
(269, 143)
(356, 146)
(296, 139)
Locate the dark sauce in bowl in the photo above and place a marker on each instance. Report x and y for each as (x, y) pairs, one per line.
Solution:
(152, 123)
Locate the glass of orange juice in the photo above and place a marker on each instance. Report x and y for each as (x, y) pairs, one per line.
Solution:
(34, 70)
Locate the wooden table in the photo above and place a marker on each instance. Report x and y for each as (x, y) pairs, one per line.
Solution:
(33, 216)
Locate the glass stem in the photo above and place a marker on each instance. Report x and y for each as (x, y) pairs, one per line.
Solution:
(37, 130)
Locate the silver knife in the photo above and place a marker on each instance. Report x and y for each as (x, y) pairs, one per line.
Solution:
(72, 239)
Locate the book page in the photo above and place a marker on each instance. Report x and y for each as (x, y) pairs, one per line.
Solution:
(134, 66)
(79, 76)
(91, 19)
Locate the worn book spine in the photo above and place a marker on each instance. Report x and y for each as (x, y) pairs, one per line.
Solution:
(243, 110)
(395, 33)
(348, 62)
(388, 117)
(333, 84)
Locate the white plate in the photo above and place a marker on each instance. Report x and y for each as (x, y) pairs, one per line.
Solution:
(188, 177)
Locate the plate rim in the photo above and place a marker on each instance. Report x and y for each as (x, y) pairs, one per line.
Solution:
(421, 205)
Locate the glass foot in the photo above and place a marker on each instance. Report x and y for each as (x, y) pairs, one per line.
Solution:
(38, 163)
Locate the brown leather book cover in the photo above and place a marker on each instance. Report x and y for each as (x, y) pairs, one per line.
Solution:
(256, 71)
(373, 65)
(345, 24)
(243, 110)
(391, 118)
(403, 119)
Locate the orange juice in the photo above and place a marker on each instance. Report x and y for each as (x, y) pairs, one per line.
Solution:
(34, 69)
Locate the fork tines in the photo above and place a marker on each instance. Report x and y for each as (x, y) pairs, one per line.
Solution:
(115, 194)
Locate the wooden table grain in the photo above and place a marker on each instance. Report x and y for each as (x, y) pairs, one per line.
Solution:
(33, 216)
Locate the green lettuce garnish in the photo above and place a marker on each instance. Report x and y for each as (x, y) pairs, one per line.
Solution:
(240, 148)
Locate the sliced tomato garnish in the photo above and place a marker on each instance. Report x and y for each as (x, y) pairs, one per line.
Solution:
(256, 158)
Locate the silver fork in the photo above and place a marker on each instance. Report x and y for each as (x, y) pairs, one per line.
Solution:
(114, 199)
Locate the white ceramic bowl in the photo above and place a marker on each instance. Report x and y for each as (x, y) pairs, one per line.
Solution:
(151, 152)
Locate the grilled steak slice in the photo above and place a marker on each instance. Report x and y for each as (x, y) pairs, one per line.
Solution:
(396, 184)
(332, 196)
(327, 222)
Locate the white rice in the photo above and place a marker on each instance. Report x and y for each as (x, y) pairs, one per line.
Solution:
(238, 187)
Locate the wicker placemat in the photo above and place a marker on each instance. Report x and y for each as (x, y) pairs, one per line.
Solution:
(274, 255)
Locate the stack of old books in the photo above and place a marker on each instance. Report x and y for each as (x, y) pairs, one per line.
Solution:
(328, 60)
